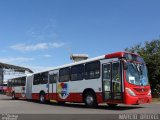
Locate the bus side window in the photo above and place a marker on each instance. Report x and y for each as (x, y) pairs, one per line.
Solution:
(64, 74)
(36, 79)
(92, 70)
(12, 82)
(44, 78)
(53, 78)
(77, 72)
(15, 82)
(19, 82)
(23, 82)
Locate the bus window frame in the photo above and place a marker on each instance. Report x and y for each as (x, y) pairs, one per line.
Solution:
(68, 75)
(78, 73)
(99, 70)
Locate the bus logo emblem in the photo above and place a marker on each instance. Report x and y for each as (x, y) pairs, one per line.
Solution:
(63, 90)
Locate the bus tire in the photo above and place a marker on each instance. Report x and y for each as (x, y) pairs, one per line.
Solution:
(90, 99)
(42, 98)
(13, 96)
(112, 105)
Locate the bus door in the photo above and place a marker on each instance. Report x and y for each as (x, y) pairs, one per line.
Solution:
(116, 81)
(52, 88)
(111, 81)
(106, 81)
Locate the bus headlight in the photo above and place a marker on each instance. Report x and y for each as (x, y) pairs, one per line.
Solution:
(149, 93)
(129, 91)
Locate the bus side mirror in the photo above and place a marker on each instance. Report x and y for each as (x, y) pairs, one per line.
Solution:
(125, 65)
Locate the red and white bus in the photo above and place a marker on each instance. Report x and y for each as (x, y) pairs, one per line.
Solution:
(16, 87)
(117, 78)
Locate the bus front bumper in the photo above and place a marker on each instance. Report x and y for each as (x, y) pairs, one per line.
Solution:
(139, 99)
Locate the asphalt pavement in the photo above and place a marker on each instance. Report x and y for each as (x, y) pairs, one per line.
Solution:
(7, 105)
(33, 110)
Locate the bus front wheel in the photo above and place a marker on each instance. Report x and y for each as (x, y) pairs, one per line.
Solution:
(90, 99)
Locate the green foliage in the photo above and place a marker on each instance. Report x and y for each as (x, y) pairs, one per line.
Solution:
(150, 51)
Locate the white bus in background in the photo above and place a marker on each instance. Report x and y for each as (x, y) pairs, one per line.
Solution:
(115, 78)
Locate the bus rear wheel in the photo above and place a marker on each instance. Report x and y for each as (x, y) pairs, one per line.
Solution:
(13, 96)
(42, 98)
(90, 99)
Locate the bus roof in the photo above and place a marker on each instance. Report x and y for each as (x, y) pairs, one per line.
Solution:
(119, 55)
(71, 64)
(106, 56)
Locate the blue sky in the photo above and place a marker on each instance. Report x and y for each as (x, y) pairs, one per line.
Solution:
(41, 34)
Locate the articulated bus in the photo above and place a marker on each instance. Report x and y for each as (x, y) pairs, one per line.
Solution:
(117, 78)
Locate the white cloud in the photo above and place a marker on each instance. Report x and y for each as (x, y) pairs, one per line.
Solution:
(56, 45)
(16, 60)
(38, 46)
(47, 56)
(24, 47)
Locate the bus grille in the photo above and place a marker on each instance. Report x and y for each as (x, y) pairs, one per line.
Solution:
(141, 90)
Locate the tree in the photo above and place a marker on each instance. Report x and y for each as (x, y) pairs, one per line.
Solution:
(150, 51)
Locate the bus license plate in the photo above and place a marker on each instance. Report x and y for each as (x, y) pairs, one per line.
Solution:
(141, 100)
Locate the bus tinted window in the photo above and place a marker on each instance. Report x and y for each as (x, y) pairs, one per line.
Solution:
(23, 81)
(12, 82)
(36, 79)
(64, 74)
(134, 57)
(19, 82)
(15, 82)
(92, 70)
(41, 78)
(44, 78)
(77, 72)
(53, 78)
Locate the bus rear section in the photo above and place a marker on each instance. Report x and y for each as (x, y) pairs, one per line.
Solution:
(9, 88)
(4, 87)
(16, 87)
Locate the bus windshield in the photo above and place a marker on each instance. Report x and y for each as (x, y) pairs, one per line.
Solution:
(137, 74)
